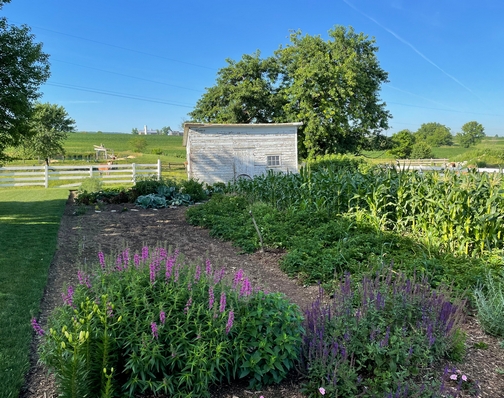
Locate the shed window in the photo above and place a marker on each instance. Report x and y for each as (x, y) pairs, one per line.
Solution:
(273, 160)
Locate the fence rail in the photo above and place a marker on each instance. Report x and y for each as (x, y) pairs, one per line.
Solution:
(18, 176)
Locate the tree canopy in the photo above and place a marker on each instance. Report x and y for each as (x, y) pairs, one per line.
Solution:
(434, 134)
(23, 68)
(49, 126)
(472, 133)
(331, 86)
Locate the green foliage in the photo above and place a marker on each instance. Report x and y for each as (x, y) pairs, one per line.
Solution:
(335, 162)
(138, 144)
(331, 86)
(24, 69)
(50, 124)
(90, 184)
(421, 150)
(489, 298)
(402, 144)
(149, 185)
(194, 188)
(434, 134)
(445, 226)
(153, 324)
(472, 133)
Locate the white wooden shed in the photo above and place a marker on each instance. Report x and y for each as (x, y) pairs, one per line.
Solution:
(224, 152)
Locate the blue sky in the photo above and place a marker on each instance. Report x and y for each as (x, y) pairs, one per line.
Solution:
(116, 65)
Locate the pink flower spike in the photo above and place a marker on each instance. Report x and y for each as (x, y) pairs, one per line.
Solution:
(322, 390)
(464, 377)
(453, 377)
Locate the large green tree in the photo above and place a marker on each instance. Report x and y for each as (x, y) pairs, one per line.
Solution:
(332, 86)
(434, 134)
(472, 133)
(49, 125)
(402, 144)
(23, 68)
(246, 92)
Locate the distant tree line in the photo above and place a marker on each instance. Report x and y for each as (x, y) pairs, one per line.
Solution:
(418, 145)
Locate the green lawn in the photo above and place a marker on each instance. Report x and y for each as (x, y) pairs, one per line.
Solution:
(29, 222)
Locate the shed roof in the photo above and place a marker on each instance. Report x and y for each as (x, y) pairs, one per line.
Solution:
(188, 126)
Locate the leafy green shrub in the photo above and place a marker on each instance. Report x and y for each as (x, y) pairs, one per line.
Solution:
(148, 185)
(90, 184)
(489, 298)
(150, 323)
(194, 188)
(379, 337)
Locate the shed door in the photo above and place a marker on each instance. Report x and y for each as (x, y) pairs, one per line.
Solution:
(244, 163)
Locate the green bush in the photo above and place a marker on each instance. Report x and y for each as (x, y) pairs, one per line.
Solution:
(150, 323)
(194, 188)
(90, 184)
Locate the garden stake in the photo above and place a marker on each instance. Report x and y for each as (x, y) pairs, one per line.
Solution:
(258, 232)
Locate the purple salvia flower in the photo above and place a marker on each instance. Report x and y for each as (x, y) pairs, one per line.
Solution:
(222, 306)
(101, 257)
(238, 277)
(208, 267)
(230, 321)
(154, 330)
(169, 266)
(211, 298)
(152, 268)
(145, 253)
(246, 289)
(38, 329)
(384, 342)
(119, 263)
(80, 277)
(189, 286)
(68, 298)
(218, 275)
(197, 273)
(125, 256)
(188, 305)
(136, 260)
(162, 317)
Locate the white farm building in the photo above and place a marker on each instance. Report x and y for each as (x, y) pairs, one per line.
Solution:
(224, 152)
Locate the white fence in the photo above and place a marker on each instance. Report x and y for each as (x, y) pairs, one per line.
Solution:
(109, 174)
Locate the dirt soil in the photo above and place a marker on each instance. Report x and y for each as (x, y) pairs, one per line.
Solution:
(81, 237)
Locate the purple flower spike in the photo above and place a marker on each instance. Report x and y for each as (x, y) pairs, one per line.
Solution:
(211, 298)
(230, 321)
(136, 260)
(101, 257)
(145, 253)
(222, 306)
(68, 297)
(238, 278)
(246, 289)
(188, 305)
(197, 273)
(38, 329)
(162, 317)
(154, 330)
(169, 266)
(208, 267)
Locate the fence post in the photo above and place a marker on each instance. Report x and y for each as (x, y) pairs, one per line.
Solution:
(133, 171)
(158, 169)
(90, 171)
(46, 176)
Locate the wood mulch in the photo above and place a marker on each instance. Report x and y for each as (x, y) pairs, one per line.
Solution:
(82, 236)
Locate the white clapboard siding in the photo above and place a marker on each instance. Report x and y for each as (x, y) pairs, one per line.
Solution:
(224, 152)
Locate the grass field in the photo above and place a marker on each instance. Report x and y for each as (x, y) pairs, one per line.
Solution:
(29, 222)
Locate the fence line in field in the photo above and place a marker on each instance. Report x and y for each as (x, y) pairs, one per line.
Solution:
(18, 176)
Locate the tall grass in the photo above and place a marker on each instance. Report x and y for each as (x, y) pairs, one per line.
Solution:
(29, 222)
